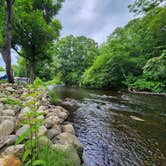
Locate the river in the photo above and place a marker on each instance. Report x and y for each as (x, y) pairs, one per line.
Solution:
(118, 128)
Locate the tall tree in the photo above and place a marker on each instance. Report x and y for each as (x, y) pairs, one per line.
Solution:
(144, 6)
(74, 54)
(35, 29)
(6, 50)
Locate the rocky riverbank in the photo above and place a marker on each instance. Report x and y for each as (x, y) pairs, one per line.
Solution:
(55, 129)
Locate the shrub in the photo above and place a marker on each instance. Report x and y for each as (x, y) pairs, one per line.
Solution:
(53, 97)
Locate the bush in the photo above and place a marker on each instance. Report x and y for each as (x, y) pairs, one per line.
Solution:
(38, 83)
(56, 80)
(53, 97)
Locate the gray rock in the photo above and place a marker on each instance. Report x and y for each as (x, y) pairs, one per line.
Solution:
(42, 131)
(61, 112)
(7, 140)
(68, 128)
(1, 106)
(69, 139)
(51, 133)
(16, 150)
(2, 118)
(44, 141)
(7, 112)
(51, 121)
(22, 130)
(10, 89)
(72, 153)
(23, 112)
(6, 127)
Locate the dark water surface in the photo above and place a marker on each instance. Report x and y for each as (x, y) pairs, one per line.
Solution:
(118, 128)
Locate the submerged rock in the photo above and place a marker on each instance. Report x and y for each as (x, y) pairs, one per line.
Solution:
(136, 118)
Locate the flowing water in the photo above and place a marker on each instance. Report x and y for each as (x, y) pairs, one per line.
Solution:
(118, 128)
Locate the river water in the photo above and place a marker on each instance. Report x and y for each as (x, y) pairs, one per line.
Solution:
(118, 128)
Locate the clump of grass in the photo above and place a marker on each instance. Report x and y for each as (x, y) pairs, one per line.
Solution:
(12, 101)
(53, 97)
(2, 81)
(56, 157)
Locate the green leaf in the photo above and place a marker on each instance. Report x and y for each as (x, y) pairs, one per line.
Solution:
(26, 154)
(39, 162)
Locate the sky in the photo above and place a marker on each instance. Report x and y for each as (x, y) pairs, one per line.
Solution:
(95, 19)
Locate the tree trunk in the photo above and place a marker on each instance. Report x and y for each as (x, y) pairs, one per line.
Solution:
(32, 72)
(6, 53)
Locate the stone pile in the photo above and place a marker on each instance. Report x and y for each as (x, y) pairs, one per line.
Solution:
(55, 129)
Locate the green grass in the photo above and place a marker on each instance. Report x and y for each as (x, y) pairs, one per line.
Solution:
(56, 157)
(12, 101)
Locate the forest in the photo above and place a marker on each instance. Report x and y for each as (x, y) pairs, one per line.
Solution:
(132, 57)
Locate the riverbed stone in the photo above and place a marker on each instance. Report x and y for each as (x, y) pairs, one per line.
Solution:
(9, 89)
(23, 112)
(16, 150)
(22, 130)
(51, 133)
(42, 131)
(72, 153)
(44, 141)
(8, 112)
(6, 127)
(7, 140)
(69, 139)
(50, 121)
(1, 106)
(68, 128)
(10, 160)
(61, 112)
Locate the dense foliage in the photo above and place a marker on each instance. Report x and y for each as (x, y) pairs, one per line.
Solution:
(73, 56)
(132, 57)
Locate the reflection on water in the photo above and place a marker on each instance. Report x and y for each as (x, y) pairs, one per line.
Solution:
(118, 128)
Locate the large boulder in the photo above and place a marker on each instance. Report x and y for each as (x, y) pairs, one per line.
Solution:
(69, 139)
(51, 133)
(6, 127)
(68, 128)
(72, 155)
(16, 150)
(44, 141)
(61, 112)
(51, 121)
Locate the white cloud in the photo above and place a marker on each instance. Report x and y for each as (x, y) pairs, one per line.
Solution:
(93, 18)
